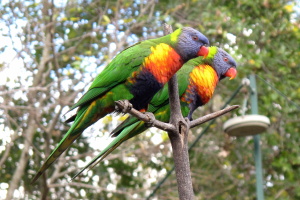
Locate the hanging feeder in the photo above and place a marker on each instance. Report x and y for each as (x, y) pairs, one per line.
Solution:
(246, 125)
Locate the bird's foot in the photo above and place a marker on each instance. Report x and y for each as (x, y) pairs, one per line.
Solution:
(151, 118)
(123, 106)
(187, 119)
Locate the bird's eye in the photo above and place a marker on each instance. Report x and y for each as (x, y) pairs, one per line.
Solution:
(225, 59)
(195, 38)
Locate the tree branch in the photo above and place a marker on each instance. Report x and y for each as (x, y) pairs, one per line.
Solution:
(88, 186)
(170, 127)
(211, 116)
(146, 118)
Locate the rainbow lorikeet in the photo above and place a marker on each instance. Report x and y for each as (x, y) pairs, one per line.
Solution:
(135, 74)
(197, 80)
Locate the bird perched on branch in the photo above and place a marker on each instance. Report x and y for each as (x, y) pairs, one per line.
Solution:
(135, 74)
(197, 80)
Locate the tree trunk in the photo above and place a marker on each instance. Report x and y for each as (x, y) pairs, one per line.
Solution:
(21, 165)
(31, 122)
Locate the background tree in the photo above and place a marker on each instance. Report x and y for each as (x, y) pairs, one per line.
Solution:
(51, 51)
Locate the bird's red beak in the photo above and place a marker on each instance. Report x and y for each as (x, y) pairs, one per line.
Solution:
(203, 51)
(231, 73)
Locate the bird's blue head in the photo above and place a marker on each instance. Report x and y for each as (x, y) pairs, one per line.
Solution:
(224, 64)
(191, 43)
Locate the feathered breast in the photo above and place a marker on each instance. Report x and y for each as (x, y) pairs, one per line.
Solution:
(163, 62)
(202, 83)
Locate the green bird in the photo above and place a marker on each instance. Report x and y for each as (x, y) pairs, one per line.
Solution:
(135, 74)
(197, 80)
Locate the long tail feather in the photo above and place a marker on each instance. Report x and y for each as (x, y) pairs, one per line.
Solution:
(126, 134)
(119, 128)
(68, 139)
(126, 130)
(127, 122)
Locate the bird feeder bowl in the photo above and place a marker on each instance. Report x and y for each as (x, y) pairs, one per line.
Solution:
(246, 125)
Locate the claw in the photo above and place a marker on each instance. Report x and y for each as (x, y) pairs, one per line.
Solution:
(127, 106)
(151, 118)
(189, 117)
(187, 120)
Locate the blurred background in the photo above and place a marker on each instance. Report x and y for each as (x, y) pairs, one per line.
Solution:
(50, 51)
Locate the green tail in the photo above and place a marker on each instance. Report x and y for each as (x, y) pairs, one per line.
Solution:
(127, 133)
(86, 116)
(68, 139)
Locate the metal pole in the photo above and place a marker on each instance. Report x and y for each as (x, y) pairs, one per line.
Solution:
(256, 138)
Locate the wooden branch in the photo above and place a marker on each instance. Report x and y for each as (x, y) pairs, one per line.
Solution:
(211, 116)
(169, 127)
(146, 118)
(88, 186)
(31, 127)
(25, 89)
(8, 147)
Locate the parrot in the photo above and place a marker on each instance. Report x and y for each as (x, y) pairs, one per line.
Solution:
(135, 74)
(197, 80)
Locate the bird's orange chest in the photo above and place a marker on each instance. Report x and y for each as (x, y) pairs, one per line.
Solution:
(203, 81)
(162, 64)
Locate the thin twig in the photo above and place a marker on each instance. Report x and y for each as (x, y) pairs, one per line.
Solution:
(211, 116)
(88, 186)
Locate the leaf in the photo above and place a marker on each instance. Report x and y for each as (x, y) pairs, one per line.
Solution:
(106, 19)
(74, 19)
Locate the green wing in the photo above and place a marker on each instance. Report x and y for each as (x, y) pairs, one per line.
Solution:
(117, 71)
(125, 135)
